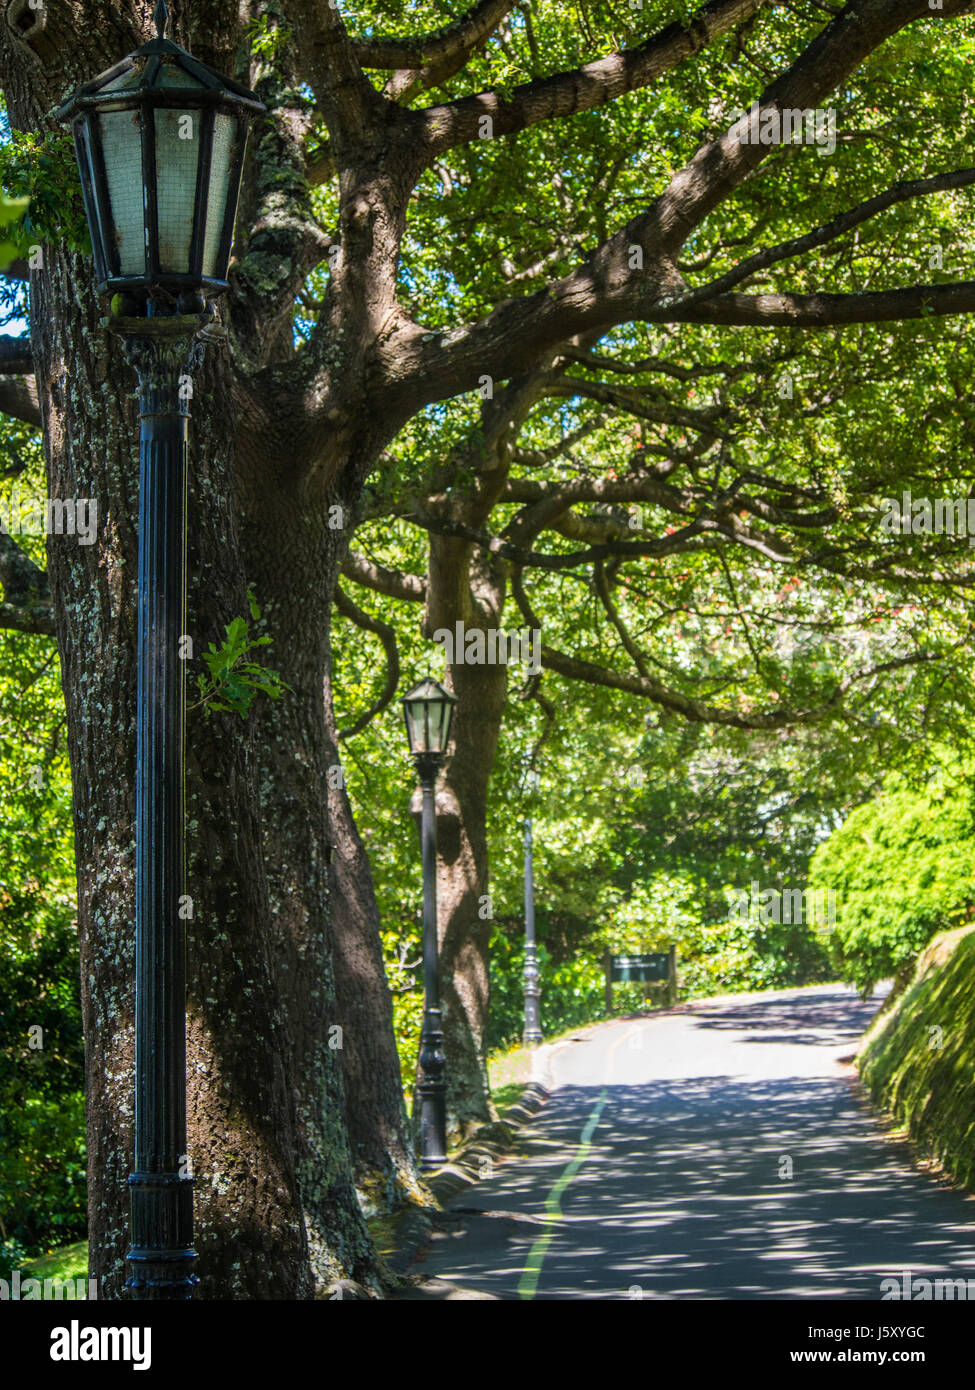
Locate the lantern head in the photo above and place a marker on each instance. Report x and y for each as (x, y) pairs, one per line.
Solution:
(160, 142)
(429, 710)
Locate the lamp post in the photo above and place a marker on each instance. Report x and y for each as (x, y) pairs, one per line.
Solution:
(160, 143)
(533, 1030)
(429, 710)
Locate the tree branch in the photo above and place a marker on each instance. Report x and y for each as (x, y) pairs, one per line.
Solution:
(606, 599)
(901, 192)
(694, 710)
(608, 289)
(26, 605)
(37, 622)
(392, 583)
(15, 355)
(829, 310)
(18, 398)
(442, 46)
(347, 99)
(387, 636)
(674, 543)
(584, 88)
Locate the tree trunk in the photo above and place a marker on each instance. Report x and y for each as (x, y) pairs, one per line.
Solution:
(385, 1164)
(464, 588)
(276, 1209)
(250, 1227)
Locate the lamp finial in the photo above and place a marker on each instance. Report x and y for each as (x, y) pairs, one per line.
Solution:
(161, 17)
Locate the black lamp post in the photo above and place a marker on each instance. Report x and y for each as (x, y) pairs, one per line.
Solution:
(429, 710)
(160, 145)
(533, 1029)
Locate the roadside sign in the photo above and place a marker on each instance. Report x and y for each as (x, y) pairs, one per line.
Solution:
(649, 968)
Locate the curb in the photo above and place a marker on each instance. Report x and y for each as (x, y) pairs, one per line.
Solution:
(475, 1160)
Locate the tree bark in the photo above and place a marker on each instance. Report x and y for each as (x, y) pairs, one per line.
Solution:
(383, 1157)
(276, 1209)
(250, 1228)
(464, 588)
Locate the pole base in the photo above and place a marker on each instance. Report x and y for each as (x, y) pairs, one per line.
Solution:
(157, 1276)
(161, 1258)
(430, 1163)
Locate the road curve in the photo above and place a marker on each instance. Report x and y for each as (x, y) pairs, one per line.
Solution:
(720, 1152)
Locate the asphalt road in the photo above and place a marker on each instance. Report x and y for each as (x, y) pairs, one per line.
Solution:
(722, 1153)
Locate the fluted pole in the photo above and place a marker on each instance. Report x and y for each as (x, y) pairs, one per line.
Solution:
(432, 1088)
(161, 1258)
(533, 1029)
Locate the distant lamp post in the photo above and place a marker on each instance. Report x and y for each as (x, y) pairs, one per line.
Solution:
(160, 145)
(533, 1028)
(429, 710)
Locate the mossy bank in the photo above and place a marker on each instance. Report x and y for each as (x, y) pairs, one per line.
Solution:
(918, 1057)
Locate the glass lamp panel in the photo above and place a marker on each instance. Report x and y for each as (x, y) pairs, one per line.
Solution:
(122, 147)
(221, 167)
(446, 717)
(415, 725)
(173, 76)
(177, 154)
(127, 81)
(83, 147)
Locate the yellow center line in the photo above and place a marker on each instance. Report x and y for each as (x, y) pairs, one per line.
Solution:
(531, 1273)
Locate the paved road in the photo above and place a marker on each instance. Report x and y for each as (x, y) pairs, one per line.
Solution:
(723, 1152)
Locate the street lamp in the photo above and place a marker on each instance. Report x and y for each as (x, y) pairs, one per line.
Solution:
(160, 142)
(533, 1029)
(429, 710)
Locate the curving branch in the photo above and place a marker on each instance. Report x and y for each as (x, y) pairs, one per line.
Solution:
(640, 402)
(387, 636)
(613, 613)
(700, 711)
(26, 605)
(392, 583)
(15, 355)
(447, 45)
(904, 191)
(583, 88)
(18, 398)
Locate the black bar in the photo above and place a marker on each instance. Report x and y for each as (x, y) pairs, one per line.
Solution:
(149, 183)
(161, 1257)
(105, 220)
(83, 157)
(201, 203)
(230, 212)
(432, 1088)
(533, 1028)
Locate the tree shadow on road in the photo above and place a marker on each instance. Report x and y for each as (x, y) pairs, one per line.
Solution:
(709, 1187)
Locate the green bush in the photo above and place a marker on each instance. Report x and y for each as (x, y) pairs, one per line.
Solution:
(902, 868)
(571, 991)
(42, 1146)
(718, 957)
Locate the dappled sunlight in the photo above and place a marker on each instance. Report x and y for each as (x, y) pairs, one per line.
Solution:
(715, 1186)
